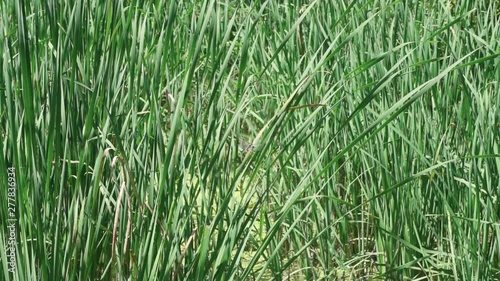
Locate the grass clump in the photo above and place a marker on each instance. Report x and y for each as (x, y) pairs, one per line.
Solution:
(258, 140)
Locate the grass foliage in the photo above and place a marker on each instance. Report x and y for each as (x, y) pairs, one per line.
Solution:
(252, 140)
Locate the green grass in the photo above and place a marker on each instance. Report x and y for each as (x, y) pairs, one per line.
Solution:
(251, 140)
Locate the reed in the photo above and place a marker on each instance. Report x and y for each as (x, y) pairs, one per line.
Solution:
(297, 140)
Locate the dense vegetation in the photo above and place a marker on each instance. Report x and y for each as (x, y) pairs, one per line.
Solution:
(251, 140)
